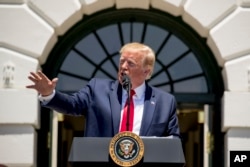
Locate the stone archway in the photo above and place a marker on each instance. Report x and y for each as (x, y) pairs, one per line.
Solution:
(30, 30)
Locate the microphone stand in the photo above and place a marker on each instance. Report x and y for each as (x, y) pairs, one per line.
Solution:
(128, 88)
(126, 83)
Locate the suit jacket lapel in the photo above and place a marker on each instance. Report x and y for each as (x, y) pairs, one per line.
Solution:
(115, 98)
(149, 108)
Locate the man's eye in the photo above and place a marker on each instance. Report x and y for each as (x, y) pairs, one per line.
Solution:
(131, 64)
(121, 62)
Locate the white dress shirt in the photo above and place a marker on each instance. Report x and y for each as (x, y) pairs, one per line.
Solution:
(138, 100)
(46, 99)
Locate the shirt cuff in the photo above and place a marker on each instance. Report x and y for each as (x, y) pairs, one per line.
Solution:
(46, 99)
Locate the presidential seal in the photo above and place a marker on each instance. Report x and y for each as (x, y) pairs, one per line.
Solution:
(126, 149)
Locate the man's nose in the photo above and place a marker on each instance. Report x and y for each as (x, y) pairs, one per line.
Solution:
(124, 65)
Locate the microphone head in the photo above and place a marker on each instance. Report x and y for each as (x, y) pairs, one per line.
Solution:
(126, 83)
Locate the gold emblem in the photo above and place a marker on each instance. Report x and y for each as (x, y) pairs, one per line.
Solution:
(126, 149)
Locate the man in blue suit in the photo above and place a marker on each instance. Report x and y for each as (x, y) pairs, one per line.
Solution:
(102, 101)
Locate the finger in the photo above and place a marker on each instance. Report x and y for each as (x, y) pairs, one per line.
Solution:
(35, 75)
(30, 86)
(32, 79)
(42, 75)
(54, 82)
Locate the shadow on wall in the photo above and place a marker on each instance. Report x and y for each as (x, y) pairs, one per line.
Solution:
(2, 165)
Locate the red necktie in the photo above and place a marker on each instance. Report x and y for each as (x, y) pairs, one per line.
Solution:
(125, 114)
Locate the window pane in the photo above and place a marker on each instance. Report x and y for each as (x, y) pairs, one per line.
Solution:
(185, 67)
(70, 84)
(161, 78)
(90, 47)
(75, 64)
(137, 32)
(109, 68)
(155, 36)
(197, 85)
(173, 49)
(110, 38)
(165, 88)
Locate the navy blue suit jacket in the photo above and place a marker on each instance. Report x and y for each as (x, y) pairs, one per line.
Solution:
(100, 102)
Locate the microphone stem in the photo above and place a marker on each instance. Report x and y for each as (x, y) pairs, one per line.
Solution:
(128, 112)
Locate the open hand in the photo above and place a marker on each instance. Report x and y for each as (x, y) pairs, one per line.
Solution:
(42, 83)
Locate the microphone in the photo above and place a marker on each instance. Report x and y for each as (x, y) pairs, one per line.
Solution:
(126, 83)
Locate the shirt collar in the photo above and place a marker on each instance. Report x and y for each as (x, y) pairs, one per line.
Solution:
(140, 90)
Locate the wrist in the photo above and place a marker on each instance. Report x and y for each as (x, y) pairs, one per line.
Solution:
(46, 98)
(47, 94)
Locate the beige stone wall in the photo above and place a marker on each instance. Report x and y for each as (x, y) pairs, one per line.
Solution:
(29, 30)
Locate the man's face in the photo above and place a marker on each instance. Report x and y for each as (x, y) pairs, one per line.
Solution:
(131, 63)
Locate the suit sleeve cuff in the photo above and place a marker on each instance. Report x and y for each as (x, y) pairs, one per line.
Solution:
(46, 99)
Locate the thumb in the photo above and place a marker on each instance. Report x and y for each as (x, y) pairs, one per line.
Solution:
(54, 82)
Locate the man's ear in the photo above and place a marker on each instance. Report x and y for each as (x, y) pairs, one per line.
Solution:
(146, 71)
